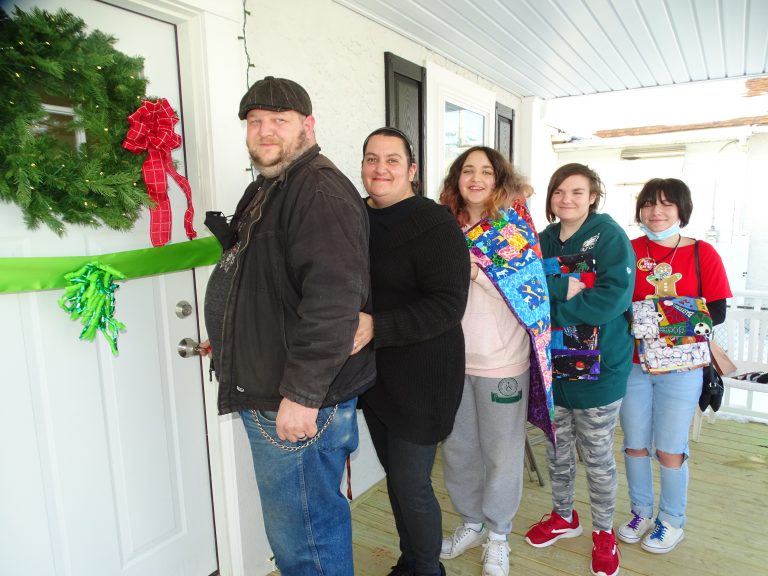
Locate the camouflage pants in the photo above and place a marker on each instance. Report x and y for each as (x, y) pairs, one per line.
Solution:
(591, 429)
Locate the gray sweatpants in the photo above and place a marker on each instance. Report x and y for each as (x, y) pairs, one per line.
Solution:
(592, 429)
(483, 456)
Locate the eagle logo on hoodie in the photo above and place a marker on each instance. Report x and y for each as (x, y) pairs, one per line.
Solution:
(590, 243)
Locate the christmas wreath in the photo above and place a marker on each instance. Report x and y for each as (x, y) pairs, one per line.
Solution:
(63, 108)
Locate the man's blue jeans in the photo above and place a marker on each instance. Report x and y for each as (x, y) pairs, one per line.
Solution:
(307, 519)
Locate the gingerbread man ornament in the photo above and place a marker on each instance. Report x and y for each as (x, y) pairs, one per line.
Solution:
(663, 280)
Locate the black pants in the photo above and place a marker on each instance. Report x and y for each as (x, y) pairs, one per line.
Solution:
(414, 505)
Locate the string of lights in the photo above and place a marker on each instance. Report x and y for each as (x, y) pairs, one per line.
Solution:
(248, 66)
(244, 38)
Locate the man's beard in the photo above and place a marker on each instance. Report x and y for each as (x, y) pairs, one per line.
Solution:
(278, 166)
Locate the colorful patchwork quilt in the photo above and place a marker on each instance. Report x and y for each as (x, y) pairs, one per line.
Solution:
(575, 349)
(509, 254)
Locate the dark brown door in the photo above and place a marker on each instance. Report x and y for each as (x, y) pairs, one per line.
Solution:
(405, 85)
(505, 131)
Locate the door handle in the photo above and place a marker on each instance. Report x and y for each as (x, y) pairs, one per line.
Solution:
(188, 348)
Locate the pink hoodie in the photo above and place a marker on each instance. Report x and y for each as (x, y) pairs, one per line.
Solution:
(496, 344)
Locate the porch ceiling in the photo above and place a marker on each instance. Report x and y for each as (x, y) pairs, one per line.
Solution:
(557, 48)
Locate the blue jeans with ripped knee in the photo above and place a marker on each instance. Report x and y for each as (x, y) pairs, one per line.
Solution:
(306, 517)
(655, 415)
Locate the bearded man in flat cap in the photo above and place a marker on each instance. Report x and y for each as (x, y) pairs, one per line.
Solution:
(281, 310)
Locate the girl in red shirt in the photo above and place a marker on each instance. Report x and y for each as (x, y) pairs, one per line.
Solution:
(657, 409)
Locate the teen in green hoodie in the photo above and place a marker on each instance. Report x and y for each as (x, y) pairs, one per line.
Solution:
(586, 410)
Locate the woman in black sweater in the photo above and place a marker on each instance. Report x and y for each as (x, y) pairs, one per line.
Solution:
(419, 284)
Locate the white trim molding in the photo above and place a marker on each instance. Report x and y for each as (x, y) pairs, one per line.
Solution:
(443, 86)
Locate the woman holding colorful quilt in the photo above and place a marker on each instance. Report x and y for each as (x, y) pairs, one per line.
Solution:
(589, 299)
(483, 456)
(658, 408)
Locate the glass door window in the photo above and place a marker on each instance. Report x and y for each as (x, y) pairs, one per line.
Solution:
(464, 128)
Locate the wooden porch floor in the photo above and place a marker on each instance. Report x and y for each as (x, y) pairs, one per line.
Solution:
(725, 534)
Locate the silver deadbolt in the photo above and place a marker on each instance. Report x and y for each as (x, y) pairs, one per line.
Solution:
(188, 348)
(183, 309)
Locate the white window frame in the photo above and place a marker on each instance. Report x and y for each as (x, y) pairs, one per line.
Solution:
(445, 86)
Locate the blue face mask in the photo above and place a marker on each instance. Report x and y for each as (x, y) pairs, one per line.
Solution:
(664, 234)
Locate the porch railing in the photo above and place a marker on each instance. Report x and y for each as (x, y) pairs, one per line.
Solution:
(744, 336)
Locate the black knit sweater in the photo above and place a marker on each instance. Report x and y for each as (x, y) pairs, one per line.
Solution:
(419, 284)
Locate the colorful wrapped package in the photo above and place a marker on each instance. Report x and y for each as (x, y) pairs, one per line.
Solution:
(575, 349)
(509, 254)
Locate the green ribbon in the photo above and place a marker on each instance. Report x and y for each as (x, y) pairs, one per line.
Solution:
(90, 299)
(30, 274)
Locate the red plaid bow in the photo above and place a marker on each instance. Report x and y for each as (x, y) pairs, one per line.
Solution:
(152, 130)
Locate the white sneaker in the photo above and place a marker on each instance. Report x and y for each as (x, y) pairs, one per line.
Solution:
(496, 558)
(634, 530)
(663, 539)
(462, 540)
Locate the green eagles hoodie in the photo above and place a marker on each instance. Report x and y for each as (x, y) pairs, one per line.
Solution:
(603, 306)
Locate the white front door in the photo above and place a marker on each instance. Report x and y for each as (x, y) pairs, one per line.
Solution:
(103, 460)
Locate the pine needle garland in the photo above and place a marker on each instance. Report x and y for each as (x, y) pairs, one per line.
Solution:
(45, 166)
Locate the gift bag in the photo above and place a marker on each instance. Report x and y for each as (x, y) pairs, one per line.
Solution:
(672, 333)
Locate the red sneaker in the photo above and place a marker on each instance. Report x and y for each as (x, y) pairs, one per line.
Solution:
(551, 528)
(605, 554)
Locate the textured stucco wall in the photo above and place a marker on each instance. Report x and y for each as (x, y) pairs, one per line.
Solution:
(338, 56)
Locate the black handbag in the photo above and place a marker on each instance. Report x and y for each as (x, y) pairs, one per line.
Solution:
(712, 388)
